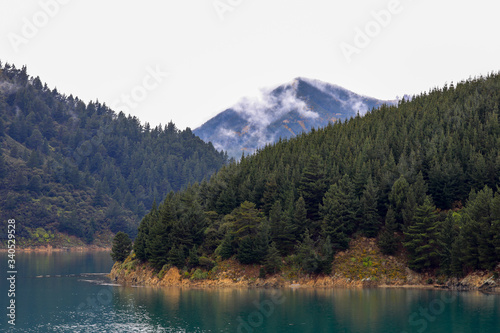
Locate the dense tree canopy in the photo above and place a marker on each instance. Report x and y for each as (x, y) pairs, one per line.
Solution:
(81, 168)
(395, 173)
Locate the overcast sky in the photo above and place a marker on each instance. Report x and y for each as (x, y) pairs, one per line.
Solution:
(186, 61)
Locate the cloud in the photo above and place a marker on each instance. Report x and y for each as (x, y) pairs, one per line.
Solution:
(269, 105)
(354, 101)
(8, 88)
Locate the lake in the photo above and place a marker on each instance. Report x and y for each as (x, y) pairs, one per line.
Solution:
(67, 292)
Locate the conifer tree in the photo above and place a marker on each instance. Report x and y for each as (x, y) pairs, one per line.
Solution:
(339, 212)
(448, 233)
(122, 245)
(176, 256)
(388, 242)
(282, 229)
(422, 238)
(159, 240)
(370, 219)
(306, 255)
(300, 218)
(312, 186)
(225, 249)
(326, 255)
(272, 263)
(398, 197)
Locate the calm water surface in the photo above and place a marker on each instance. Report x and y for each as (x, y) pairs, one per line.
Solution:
(64, 292)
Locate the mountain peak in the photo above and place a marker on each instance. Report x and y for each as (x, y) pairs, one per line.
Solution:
(283, 112)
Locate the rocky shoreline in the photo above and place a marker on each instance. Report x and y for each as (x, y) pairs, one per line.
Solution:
(361, 266)
(144, 275)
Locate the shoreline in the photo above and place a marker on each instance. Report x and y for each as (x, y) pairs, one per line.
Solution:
(50, 249)
(144, 276)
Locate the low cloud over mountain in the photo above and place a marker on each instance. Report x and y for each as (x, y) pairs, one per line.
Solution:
(282, 112)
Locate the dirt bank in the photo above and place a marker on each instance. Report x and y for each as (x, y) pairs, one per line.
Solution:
(361, 266)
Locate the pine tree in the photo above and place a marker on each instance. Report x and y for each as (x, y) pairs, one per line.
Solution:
(457, 262)
(300, 217)
(159, 240)
(272, 263)
(312, 186)
(225, 249)
(398, 197)
(325, 258)
(193, 259)
(422, 238)
(306, 256)
(388, 241)
(370, 219)
(339, 212)
(282, 230)
(176, 256)
(245, 220)
(480, 210)
(122, 245)
(448, 233)
(140, 243)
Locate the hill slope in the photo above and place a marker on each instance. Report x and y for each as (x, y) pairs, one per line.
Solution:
(283, 112)
(419, 177)
(78, 168)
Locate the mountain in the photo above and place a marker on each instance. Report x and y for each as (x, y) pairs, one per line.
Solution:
(421, 179)
(80, 168)
(282, 112)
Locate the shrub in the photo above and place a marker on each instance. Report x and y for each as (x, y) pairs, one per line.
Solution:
(199, 275)
(206, 263)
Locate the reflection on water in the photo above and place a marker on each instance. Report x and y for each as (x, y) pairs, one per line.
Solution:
(72, 300)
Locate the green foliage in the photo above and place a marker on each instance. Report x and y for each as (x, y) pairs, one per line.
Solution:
(398, 198)
(300, 217)
(388, 241)
(306, 255)
(272, 263)
(282, 228)
(370, 219)
(206, 263)
(193, 259)
(176, 256)
(340, 181)
(122, 245)
(225, 249)
(422, 238)
(339, 212)
(312, 186)
(105, 166)
(199, 275)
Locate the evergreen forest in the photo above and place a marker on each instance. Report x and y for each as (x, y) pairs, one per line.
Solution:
(421, 177)
(79, 168)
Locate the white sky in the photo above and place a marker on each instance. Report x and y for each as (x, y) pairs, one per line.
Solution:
(104, 49)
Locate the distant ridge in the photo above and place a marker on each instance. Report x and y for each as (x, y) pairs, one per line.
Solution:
(283, 112)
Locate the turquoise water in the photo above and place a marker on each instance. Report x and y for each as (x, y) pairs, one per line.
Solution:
(64, 292)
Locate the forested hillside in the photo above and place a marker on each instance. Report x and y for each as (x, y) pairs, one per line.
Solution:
(80, 168)
(422, 177)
